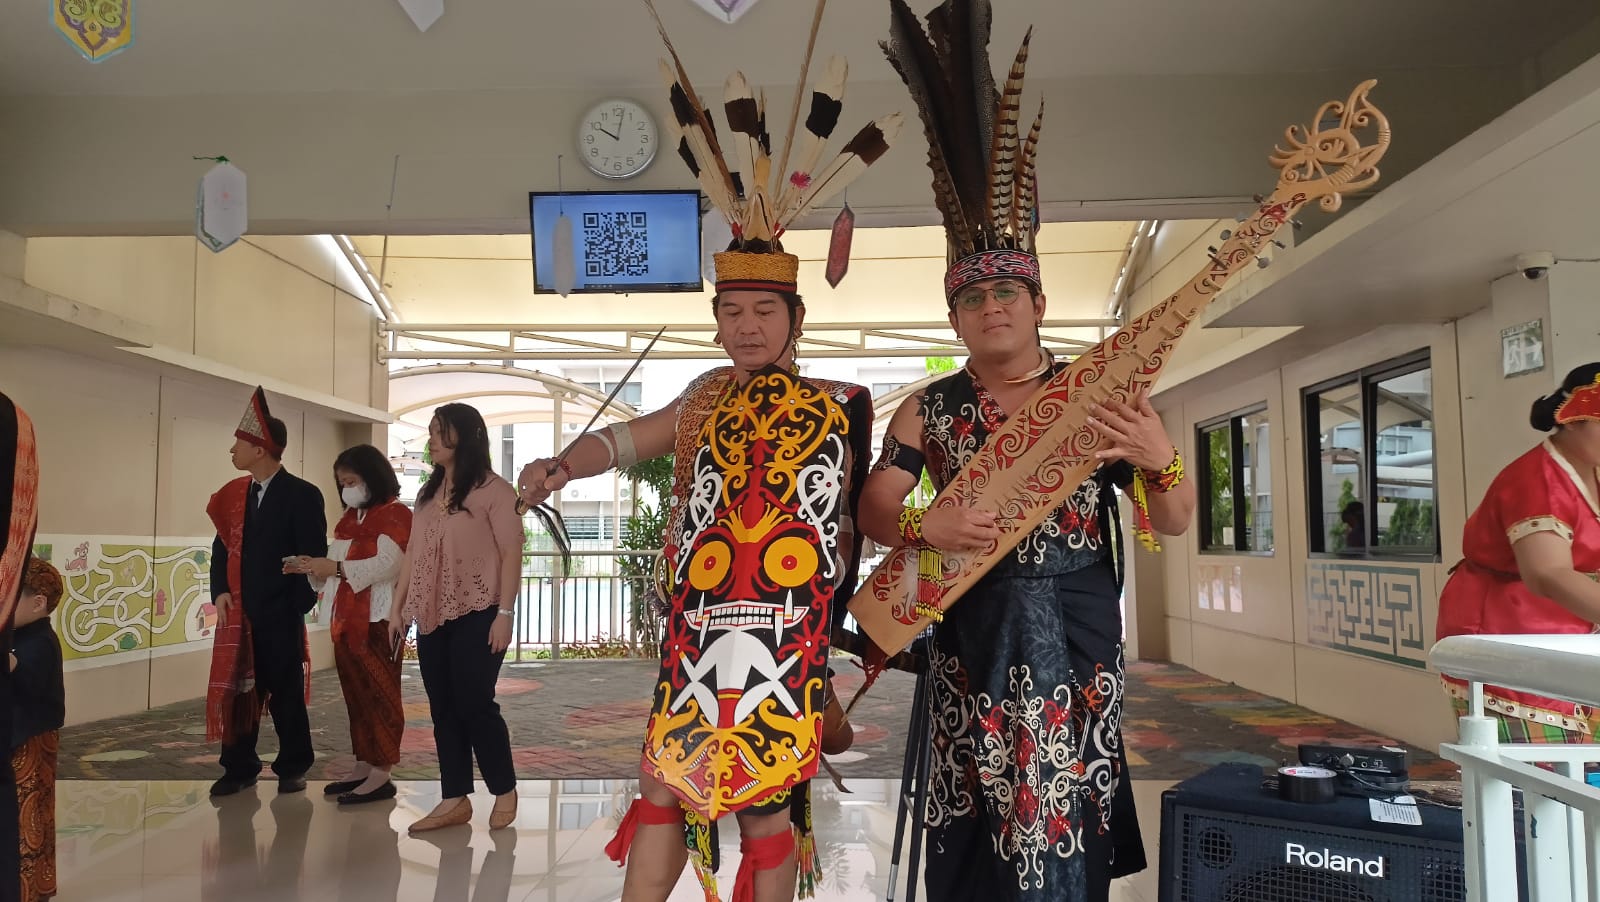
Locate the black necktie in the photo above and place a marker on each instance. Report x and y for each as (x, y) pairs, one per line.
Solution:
(255, 498)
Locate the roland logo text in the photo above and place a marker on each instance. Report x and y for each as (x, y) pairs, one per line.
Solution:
(1325, 860)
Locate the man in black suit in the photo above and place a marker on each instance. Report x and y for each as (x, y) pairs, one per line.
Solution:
(260, 654)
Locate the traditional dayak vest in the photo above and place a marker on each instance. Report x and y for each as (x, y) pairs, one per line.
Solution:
(958, 419)
(738, 708)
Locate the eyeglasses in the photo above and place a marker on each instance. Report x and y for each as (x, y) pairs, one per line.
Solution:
(1006, 293)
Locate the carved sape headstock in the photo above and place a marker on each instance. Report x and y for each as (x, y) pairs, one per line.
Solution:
(1328, 160)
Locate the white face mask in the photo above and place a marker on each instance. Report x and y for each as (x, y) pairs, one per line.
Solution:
(355, 495)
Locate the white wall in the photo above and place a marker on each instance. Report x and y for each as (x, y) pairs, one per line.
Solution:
(132, 449)
(467, 165)
(272, 306)
(1347, 638)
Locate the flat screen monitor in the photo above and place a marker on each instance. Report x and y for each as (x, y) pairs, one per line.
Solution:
(624, 241)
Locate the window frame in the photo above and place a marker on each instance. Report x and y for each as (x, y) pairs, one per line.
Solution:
(1367, 379)
(1233, 423)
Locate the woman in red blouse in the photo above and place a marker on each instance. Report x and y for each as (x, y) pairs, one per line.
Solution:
(1532, 558)
(356, 581)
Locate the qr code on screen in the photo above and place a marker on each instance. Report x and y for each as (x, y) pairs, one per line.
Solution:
(615, 245)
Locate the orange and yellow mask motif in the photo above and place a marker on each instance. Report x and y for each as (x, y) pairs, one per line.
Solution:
(738, 709)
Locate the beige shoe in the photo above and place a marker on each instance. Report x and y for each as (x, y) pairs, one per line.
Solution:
(455, 817)
(503, 815)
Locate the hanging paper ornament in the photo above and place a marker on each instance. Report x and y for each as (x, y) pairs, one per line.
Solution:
(561, 242)
(98, 29)
(423, 13)
(727, 11)
(566, 256)
(844, 231)
(220, 214)
(715, 236)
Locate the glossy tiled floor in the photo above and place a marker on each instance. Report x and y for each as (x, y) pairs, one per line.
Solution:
(166, 841)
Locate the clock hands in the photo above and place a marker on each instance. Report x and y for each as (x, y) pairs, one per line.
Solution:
(628, 152)
(618, 136)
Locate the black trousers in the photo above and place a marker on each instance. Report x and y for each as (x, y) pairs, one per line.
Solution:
(459, 674)
(277, 642)
(10, 826)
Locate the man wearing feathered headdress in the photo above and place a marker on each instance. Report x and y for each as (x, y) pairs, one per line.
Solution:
(769, 466)
(1029, 796)
(260, 656)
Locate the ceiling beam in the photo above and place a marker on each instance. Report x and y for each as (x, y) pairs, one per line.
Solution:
(444, 341)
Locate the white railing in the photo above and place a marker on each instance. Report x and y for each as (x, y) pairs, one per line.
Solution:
(595, 601)
(1562, 811)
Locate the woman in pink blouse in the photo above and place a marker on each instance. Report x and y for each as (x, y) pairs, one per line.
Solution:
(459, 582)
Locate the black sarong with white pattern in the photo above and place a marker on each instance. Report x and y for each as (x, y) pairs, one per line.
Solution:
(1029, 797)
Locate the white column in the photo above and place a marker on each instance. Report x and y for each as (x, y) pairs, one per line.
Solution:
(558, 571)
(1573, 333)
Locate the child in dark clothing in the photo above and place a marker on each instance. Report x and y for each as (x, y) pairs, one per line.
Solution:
(39, 709)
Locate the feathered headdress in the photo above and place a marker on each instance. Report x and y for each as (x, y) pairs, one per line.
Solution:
(760, 200)
(983, 172)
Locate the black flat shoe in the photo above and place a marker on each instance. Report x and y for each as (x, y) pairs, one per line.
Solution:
(341, 787)
(227, 786)
(382, 793)
(296, 783)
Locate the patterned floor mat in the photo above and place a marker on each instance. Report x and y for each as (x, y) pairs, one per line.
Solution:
(585, 720)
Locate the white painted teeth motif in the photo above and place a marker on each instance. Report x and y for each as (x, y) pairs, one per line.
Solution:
(745, 615)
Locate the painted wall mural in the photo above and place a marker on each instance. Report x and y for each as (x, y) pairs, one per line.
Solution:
(125, 595)
(1366, 609)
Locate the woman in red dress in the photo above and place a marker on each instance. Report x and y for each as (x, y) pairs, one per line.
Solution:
(358, 576)
(1532, 558)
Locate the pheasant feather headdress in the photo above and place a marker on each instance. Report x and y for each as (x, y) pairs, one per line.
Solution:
(760, 199)
(983, 171)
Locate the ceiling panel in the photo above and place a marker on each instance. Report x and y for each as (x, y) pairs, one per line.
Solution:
(316, 46)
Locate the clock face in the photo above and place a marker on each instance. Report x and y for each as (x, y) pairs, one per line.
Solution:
(617, 139)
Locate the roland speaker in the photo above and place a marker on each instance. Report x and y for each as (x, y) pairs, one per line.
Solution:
(1226, 839)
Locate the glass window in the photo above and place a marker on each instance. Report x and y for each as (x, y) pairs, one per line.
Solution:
(632, 393)
(1235, 484)
(1369, 444)
(1256, 486)
(1338, 489)
(1217, 482)
(588, 526)
(1403, 466)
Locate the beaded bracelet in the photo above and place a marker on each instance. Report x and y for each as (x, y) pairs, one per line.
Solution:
(565, 467)
(911, 524)
(1167, 479)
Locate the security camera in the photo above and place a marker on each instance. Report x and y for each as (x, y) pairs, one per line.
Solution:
(1535, 265)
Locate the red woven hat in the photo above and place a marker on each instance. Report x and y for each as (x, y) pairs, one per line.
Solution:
(253, 428)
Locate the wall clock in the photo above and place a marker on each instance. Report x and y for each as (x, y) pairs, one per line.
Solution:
(617, 138)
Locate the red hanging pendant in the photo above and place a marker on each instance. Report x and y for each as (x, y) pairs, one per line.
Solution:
(844, 230)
